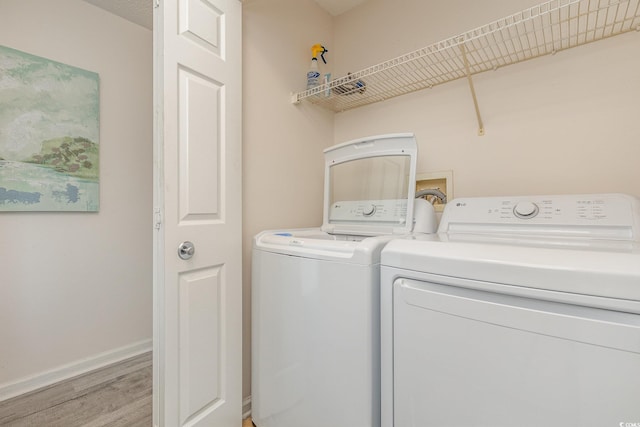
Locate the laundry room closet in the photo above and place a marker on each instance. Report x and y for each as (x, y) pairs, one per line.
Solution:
(558, 124)
(76, 287)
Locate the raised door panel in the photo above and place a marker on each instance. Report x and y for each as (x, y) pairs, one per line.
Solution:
(201, 103)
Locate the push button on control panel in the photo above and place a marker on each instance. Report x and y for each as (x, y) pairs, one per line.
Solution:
(526, 210)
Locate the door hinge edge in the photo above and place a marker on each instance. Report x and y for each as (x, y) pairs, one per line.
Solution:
(157, 219)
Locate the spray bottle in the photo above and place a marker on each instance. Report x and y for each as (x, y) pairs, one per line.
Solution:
(313, 75)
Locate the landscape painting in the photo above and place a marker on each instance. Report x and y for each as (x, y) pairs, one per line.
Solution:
(49, 135)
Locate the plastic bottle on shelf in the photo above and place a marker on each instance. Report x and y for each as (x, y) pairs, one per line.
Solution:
(327, 80)
(313, 75)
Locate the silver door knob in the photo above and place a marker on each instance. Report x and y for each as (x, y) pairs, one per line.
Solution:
(186, 250)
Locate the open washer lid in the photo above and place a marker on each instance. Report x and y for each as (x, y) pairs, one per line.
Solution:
(369, 185)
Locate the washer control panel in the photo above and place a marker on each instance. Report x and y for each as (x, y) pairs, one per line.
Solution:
(366, 211)
(615, 216)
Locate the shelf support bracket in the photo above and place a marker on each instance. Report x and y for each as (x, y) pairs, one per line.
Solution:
(473, 90)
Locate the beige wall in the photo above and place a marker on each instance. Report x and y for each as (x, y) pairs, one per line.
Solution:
(566, 123)
(283, 165)
(76, 285)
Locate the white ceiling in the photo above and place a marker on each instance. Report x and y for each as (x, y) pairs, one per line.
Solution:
(137, 11)
(141, 11)
(337, 7)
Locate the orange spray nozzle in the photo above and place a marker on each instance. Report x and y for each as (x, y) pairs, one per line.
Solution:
(319, 49)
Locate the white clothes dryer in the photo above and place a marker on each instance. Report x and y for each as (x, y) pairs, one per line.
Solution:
(316, 292)
(521, 311)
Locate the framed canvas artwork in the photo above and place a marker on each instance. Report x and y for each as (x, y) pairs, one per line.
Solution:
(49, 135)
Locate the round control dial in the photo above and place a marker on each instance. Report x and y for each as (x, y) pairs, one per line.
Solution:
(369, 210)
(525, 210)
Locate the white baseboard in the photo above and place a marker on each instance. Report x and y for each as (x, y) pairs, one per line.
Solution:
(79, 367)
(246, 407)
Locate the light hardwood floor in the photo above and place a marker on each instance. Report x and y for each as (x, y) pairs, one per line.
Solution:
(114, 396)
(118, 395)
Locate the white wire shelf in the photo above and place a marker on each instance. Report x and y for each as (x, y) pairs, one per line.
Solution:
(541, 30)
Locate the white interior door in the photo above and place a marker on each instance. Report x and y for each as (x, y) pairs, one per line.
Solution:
(197, 197)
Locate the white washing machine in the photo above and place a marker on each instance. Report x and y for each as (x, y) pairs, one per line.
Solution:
(316, 292)
(521, 311)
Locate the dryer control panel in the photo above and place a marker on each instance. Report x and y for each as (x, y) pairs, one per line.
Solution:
(599, 216)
